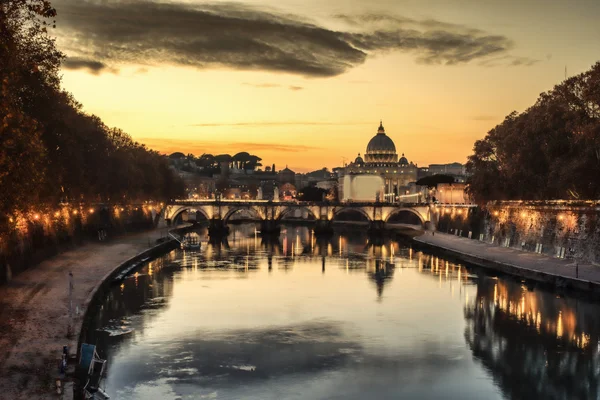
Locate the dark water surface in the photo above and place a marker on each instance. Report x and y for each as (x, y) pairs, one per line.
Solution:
(340, 319)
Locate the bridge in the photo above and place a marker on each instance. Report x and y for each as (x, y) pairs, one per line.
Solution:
(377, 216)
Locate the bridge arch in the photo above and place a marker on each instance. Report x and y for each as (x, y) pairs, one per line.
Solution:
(343, 210)
(234, 210)
(183, 209)
(289, 210)
(403, 211)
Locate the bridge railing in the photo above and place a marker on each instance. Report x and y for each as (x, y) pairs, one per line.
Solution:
(299, 203)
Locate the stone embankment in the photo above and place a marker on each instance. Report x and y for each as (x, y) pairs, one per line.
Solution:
(34, 311)
(558, 272)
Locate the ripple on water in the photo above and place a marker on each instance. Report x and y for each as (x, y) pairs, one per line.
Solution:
(117, 327)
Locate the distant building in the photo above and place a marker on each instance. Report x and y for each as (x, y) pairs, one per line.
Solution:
(422, 172)
(455, 169)
(381, 160)
(287, 192)
(362, 188)
(327, 185)
(286, 176)
(451, 193)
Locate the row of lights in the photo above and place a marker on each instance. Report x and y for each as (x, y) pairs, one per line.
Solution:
(37, 216)
(524, 215)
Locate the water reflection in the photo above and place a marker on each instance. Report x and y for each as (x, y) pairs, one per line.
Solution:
(309, 318)
(535, 344)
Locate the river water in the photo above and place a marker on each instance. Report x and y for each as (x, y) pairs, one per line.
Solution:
(344, 318)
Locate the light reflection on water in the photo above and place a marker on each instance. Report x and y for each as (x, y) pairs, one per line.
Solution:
(343, 318)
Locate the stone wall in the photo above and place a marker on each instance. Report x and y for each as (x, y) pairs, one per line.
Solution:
(34, 238)
(555, 228)
(566, 229)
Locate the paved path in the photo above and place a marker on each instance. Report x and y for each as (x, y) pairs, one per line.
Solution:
(512, 257)
(34, 312)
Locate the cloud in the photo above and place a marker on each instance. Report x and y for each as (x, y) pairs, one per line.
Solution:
(198, 147)
(242, 37)
(94, 67)
(279, 123)
(271, 85)
(513, 61)
(526, 61)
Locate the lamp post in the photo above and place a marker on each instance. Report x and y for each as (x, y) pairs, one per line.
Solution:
(70, 303)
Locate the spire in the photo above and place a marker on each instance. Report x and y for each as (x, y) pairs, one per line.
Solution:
(381, 129)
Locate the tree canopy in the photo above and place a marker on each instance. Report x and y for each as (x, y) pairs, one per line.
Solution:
(434, 180)
(550, 151)
(312, 193)
(50, 150)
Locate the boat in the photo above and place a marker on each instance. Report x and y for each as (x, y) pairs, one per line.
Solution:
(190, 243)
(94, 365)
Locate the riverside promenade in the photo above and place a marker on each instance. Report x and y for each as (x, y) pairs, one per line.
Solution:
(34, 313)
(542, 268)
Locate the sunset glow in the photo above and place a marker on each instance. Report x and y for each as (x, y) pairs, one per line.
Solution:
(439, 73)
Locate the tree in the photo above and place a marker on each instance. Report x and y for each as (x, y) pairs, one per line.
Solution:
(550, 151)
(50, 150)
(311, 193)
(434, 180)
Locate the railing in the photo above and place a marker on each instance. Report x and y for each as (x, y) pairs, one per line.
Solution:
(296, 203)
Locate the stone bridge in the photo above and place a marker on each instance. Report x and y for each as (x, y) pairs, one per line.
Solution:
(270, 214)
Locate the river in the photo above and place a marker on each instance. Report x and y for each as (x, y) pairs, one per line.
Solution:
(344, 318)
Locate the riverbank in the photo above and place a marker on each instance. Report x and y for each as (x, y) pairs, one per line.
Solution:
(34, 312)
(558, 272)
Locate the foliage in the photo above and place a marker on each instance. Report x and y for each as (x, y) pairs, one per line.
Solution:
(550, 151)
(50, 150)
(434, 180)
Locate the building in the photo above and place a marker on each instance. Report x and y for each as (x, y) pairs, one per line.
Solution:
(362, 187)
(455, 169)
(286, 176)
(451, 193)
(381, 159)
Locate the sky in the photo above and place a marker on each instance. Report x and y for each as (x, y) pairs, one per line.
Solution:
(304, 83)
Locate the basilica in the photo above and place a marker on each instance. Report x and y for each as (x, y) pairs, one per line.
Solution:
(381, 160)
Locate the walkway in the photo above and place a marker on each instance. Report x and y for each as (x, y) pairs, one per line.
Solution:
(530, 264)
(34, 312)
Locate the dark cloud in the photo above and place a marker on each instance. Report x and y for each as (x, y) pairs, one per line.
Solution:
(508, 60)
(295, 88)
(95, 67)
(241, 37)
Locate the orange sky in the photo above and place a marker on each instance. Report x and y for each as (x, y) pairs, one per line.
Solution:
(304, 83)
